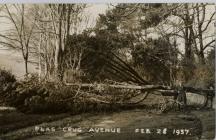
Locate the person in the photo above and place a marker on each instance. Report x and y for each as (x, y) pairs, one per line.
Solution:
(181, 97)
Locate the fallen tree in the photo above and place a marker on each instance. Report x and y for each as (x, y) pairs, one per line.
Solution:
(49, 97)
(166, 90)
(126, 86)
(178, 93)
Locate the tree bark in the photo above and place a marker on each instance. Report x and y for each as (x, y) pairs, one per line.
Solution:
(188, 35)
(26, 66)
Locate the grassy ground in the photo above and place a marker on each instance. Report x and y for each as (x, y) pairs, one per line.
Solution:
(13, 120)
(15, 125)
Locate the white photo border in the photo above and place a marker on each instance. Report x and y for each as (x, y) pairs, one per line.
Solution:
(107, 1)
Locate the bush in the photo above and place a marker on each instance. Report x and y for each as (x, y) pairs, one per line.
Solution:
(203, 77)
(6, 77)
(7, 83)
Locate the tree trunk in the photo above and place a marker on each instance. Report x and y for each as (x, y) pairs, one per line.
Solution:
(39, 58)
(57, 60)
(201, 53)
(26, 66)
(201, 57)
(188, 35)
(58, 46)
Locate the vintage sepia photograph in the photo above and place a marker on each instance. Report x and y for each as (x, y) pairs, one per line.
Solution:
(107, 71)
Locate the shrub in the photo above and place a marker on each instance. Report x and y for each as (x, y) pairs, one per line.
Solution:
(6, 77)
(203, 76)
(7, 83)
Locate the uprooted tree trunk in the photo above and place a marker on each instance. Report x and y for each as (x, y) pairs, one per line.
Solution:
(179, 95)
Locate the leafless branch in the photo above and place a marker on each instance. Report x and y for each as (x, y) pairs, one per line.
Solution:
(210, 20)
(208, 44)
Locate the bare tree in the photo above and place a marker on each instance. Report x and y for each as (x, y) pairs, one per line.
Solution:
(192, 27)
(56, 23)
(199, 30)
(19, 36)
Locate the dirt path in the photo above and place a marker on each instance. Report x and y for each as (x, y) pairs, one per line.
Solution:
(199, 123)
(208, 123)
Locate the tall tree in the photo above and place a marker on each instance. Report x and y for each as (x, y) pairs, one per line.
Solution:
(202, 26)
(192, 27)
(19, 36)
(61, 15)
